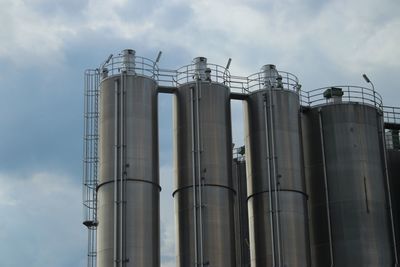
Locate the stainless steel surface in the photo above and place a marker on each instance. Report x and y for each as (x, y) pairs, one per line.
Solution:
(128, 191)
(200, 64)
(241, 211)
(204, 195)
(128, 61)
(270, 75)
(393, 160)
(327, 199)
(356, 187)
(276, 188)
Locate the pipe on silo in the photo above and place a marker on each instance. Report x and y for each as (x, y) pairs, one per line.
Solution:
(200, 64)
(122, 169)
(128, 61)
(328, 211)
(194, 178)
(274, 174)
(115, 227)
(271, 209)
(270, 75)
(199, 169)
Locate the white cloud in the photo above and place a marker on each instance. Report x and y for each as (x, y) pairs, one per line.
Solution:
(27, 36)
(357, 35)
(351, 34)
(103, 16)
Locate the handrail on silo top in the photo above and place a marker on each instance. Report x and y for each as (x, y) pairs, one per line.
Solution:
(127, 61)
(342, 94)
(391, 118)
(391, 114)
(282, 80)
(211, 72)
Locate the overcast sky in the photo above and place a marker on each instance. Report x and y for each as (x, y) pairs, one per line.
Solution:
(45, 45)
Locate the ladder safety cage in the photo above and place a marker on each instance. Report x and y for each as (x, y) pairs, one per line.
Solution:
(90, 160)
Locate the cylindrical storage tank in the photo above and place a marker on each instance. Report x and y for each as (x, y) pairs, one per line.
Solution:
(204, 195)
(241, 210)
(128, 189)
(277, 198)
(350, 220)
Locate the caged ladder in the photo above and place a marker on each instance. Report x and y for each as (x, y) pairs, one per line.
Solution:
(90, 160)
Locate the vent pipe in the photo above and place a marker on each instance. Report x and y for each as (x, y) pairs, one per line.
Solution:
(200, 67)
(270, 76)
(128, 61)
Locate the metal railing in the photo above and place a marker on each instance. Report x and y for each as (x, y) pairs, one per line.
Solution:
(286, 81)
(167, 77)
(391, 114)
(254, 82)
(141, 65)
(190, 73)
(351, 93)
(391, 117)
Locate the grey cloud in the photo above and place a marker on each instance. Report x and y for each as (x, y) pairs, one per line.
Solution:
(54, 8)
(138, 10)
(42, 226)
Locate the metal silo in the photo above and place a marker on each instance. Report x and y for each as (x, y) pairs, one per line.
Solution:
(350, 210)
(277, 199)
(128, 186)
(204, 195)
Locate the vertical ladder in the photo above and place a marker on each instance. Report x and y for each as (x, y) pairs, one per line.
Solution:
(90, 160)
